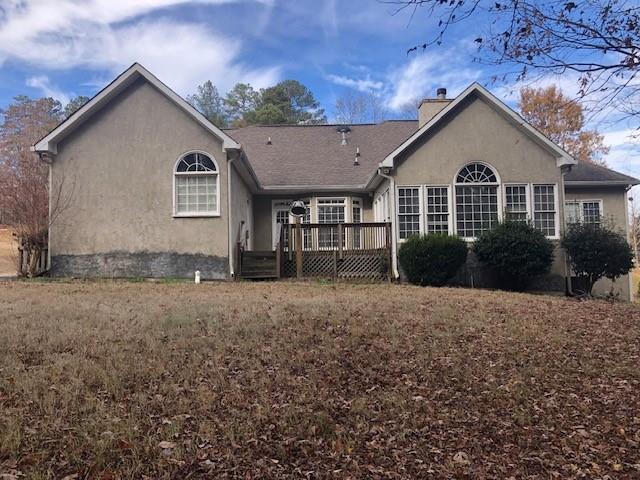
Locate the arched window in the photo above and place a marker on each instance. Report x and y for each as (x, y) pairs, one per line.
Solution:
(196, 185)
(476, 199)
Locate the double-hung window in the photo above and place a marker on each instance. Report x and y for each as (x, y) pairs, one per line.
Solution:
(408, 212)
(583, 211)
(544, 209)
(437, 209)
(516, 203)
(196, 186)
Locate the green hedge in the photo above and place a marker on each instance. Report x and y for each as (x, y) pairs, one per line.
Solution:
(432, 259)
(516, 252)
(596, 251)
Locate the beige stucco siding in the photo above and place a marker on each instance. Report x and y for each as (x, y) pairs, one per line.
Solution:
(119, 166)
(477, 133)
(241, 208)
(614, 211)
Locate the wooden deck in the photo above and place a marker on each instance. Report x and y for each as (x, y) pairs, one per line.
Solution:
(313, 250)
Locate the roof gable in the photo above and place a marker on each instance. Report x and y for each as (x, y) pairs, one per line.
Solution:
(49, 143)
(562, 157)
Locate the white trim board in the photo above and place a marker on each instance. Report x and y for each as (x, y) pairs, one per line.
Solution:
(562, 157)
(50, 142)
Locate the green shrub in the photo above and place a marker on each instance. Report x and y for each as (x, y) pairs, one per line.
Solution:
(596, 251)
(516, 252)
(432, 259)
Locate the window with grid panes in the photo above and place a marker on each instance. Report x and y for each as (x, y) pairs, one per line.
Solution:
(196, 185)
(408, 211)
(476, 200)
(516, 202)
(544, 209)
(437, 200)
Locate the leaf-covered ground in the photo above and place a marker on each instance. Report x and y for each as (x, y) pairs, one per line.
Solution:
(119, 380)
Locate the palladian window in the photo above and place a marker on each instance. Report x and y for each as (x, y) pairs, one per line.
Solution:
(476, 200)
(196, 183)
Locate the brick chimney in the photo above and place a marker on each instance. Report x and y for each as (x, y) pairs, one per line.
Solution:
(430, 107)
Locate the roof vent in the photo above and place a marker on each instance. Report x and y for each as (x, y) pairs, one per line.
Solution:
(441, 93)
(356, 160)
(343, 129)
(268, 140)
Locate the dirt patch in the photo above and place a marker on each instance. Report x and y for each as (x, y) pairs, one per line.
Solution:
(116, 380)
(8, 252)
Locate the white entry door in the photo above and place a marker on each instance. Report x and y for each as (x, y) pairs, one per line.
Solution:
(280, 214)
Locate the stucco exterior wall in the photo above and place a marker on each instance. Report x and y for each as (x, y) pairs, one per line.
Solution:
(118, 168)
(241, 211)
(477, 132)
(614, 211)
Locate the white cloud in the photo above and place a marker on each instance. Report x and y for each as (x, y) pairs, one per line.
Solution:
(362, 85)
(423, 74)
(42, 83)
(111, 34)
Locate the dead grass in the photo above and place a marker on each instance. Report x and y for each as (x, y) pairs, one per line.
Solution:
(8, 251)
(275, 380)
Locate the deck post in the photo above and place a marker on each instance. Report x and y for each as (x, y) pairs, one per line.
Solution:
(340, 236)
(298, 248)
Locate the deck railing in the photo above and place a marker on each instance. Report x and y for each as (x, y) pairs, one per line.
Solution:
(349, 250)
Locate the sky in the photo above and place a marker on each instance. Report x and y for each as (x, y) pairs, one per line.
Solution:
(66, 48)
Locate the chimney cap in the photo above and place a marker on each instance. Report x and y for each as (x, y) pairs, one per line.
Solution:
(441, 93)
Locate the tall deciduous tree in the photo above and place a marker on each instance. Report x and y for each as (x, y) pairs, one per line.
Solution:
(74, 105)
(24, 195)
(599, 40)
(208, 101)
(562, 120)
(360, 107)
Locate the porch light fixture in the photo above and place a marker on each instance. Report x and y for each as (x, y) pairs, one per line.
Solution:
(298, 208)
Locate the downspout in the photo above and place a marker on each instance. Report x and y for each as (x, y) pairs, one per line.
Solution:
(627, 199)
(563, 223)
(394, 236)
(230, 160)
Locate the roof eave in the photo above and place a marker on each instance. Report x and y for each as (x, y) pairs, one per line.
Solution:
(601, 183)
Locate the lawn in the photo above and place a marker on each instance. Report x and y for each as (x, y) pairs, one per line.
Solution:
(120, 380)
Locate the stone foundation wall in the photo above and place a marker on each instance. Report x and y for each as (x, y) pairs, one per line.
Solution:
(140, 264)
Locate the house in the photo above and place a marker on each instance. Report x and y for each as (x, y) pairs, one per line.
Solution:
(153, 189)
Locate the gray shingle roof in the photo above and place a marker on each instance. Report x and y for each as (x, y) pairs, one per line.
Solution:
(312, 155)
(587, 172)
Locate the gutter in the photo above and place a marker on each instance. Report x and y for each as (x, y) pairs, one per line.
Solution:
(563, 223)
(230, 160)
(394, 236)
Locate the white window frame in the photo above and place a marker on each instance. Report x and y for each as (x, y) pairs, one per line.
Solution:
(499, 194)
(580, 202)
(556, 235)
(175, 174)
(449, 206)
(421, 210)
(528, 198)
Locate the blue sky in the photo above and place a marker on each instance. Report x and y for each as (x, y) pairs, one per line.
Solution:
(64, 48)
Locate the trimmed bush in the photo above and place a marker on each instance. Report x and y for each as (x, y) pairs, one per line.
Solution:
(432, 259)
(596, 251)
(516, 252)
